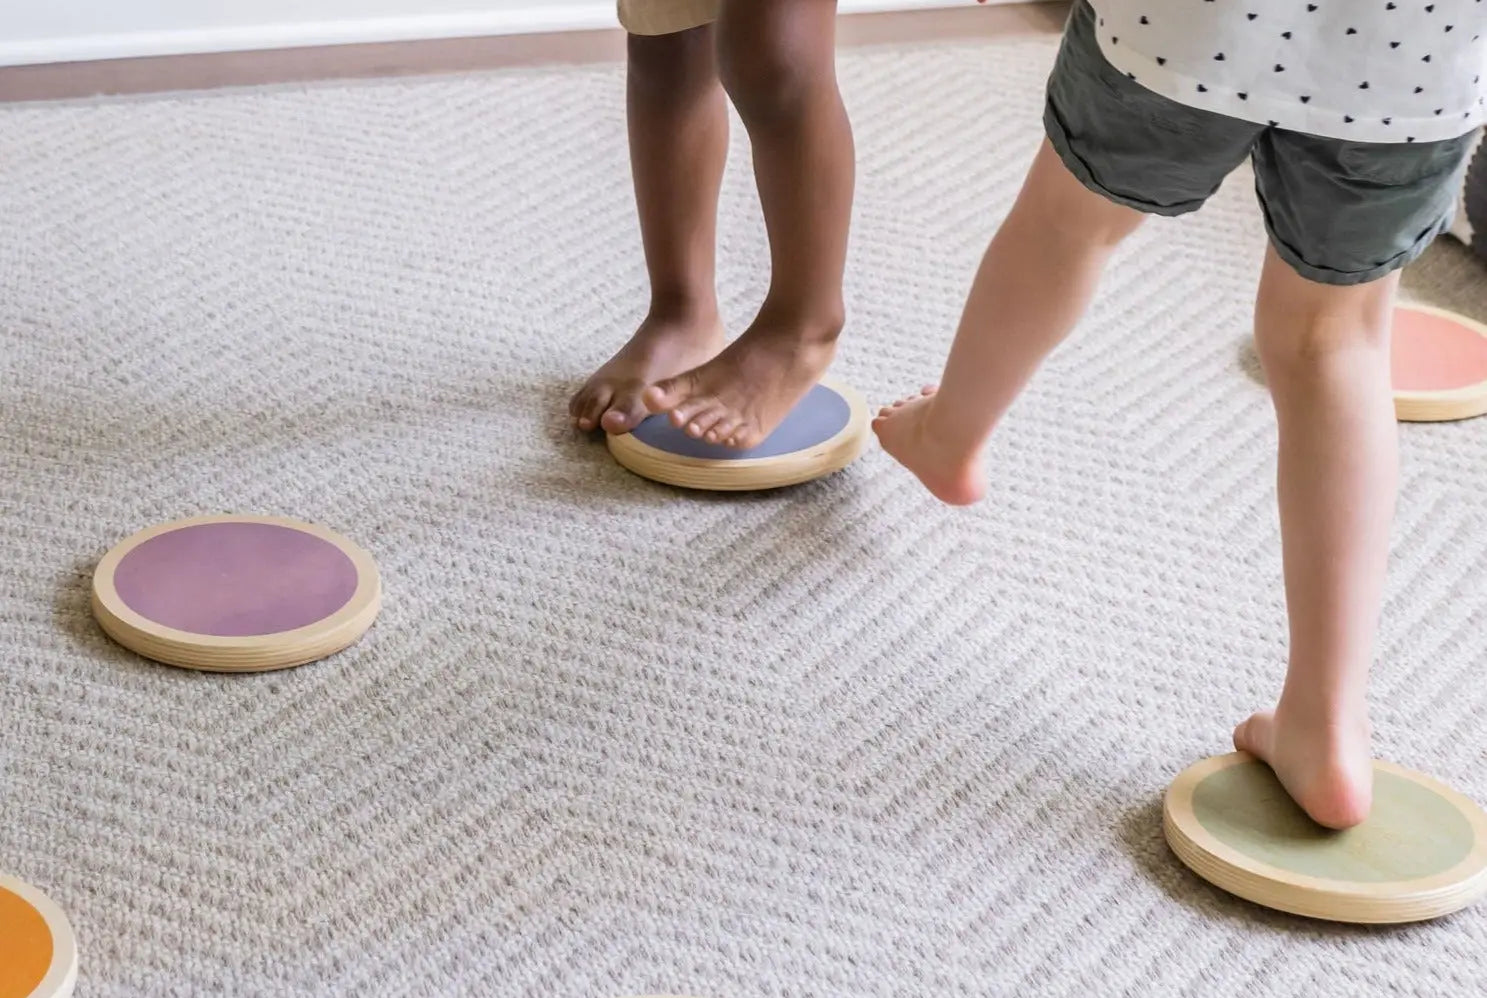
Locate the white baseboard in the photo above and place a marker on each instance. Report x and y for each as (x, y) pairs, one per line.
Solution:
(32, 34)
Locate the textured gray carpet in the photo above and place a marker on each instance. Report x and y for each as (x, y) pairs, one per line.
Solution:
(606, 738)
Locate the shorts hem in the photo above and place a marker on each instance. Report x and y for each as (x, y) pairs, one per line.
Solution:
(1058, 137)
(666, 17)
(1349, 278)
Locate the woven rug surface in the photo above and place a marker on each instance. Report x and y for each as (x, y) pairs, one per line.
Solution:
(608, 738)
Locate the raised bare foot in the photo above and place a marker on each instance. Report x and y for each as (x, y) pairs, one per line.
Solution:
(1327, 768)
(740, 396)
(952, 475)
(663, 345)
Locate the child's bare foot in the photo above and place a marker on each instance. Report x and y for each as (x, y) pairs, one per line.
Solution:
(1327, 768)
(738, 397)
(951, 474)
(663, 345)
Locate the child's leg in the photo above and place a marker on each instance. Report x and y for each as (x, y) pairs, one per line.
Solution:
(1325, 351)
(678, 119)
(777, 60)
(1033, 285)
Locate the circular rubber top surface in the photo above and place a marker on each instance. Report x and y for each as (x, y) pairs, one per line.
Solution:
(38, 956)
(236, 593)
(821, 415)
(235, 579)
(1435, 351)
(1413, 832)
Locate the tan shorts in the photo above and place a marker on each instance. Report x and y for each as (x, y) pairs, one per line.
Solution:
(662, 17)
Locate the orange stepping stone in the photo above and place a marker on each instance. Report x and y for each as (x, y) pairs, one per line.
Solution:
(38, 953)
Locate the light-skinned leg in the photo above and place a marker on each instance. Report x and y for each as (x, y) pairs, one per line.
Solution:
(1034, 283)
(777, 60)
(678, 120)
(1325, 352)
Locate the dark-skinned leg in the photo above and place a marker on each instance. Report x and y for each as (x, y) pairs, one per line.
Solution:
(678, 117)
(777, 63)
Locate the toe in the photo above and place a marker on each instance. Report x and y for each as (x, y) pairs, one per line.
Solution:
(723, 429)
(705, 422)
(624, 414)
(586, 416)
(745, 436)
(689, 410)
(667, 395)
(656, 398)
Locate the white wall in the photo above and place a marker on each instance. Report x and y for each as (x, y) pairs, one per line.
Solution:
(37, 31)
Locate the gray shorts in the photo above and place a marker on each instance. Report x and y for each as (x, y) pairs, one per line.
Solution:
(1339, 212)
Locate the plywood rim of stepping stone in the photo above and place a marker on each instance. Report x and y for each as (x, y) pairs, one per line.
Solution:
(752, 474)
(255, 653)
(1420, 406)
(1388, 902)
(60, 976)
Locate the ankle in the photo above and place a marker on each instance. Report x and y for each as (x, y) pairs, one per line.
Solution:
(680, 308)
(807, 324)
(1334, 716)
(954, 430)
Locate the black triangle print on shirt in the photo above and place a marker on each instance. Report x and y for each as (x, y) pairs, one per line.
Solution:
(1385, 88)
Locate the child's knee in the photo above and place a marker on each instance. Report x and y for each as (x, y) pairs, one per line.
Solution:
(772, 81)
(1301, 324)
(1326, 336)
(1302, 336)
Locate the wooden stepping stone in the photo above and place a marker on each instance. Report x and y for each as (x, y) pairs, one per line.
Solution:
(1421, 854)
(827, 431)
(1439, 364)
(236, 593)
(38, 952)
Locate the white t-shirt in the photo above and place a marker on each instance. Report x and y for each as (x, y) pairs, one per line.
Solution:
(1370, 70)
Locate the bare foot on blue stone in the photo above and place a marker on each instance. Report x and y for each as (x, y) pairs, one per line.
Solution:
(664, 345)
(739, 397)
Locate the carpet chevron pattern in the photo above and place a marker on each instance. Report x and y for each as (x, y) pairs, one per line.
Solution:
(608, 739)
